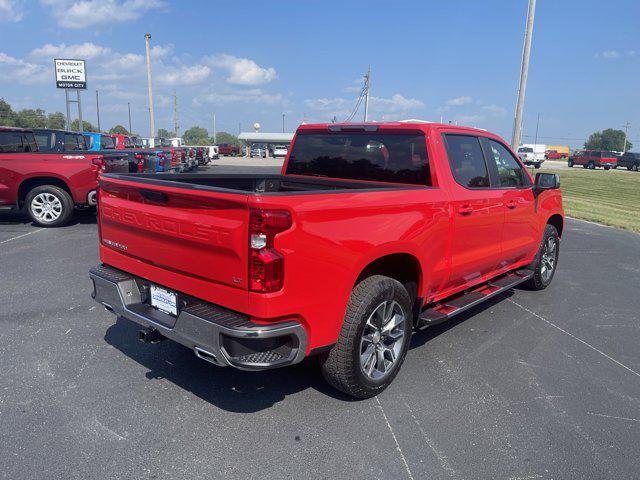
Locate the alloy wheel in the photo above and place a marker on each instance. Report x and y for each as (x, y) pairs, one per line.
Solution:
(382, 340)
(549, 258)
(46, 207)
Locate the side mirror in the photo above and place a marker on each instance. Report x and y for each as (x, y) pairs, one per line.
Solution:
(547, 181)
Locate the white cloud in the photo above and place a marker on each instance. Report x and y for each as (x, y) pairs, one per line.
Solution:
(184, 75)
(11, 11)
(94, 13)
(458, 101)
(253, 96)
(242, 71)
(327, 104)
(495, 110)
(15, 70)
(396, 103)
(611, 54)
(85, 51)
(472, 119)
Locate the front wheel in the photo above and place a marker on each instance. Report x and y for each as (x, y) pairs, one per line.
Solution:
(607, 168)
(634, 167)
(570, 163)
(374, 338)
(49, 206)
(546, 261)
(591, 166)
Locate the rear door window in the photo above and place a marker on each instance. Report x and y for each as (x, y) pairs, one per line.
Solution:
(71, 143)
(29, 142)
(388, 157)
(11, 142)
(467, 161)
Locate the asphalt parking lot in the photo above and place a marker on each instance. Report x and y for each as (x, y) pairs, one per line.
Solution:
(533, 385)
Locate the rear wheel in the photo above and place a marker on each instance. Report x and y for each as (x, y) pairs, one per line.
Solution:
(544, 265)
(570, 163)
(591, 166)
(49, 206)
(374, 338)
(607, 168)
(634, 167)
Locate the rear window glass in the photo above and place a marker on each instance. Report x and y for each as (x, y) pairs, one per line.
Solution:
(73, 142)
(399, 158)
(107, 143)
(45, 140)
(128, 143)
(467, 161)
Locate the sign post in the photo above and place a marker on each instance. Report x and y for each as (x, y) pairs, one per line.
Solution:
(71, 74)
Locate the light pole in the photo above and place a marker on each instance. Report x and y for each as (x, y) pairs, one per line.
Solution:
(283, 123)
(366, 97)
(524, 71)
(147, 38)
(129, 108)
(98, 110)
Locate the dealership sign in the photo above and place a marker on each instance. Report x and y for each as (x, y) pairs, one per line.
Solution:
(70, 73)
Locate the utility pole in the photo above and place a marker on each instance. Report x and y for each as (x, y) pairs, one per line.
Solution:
(129, 108)
(239, 128)
(80, 123)
(214, 129)
(626, 130)
(524, 71)
(66, 96)
(283, 123)
(366, 93)
(175, 114)
(152, 127)
(537, 125)
(98, 110)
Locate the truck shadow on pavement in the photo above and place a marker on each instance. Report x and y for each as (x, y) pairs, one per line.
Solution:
(80, 218)
(241, 391)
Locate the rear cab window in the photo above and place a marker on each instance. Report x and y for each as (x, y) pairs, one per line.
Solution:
(46, 141)
(107, 143)
(380, 157)
(73, 142)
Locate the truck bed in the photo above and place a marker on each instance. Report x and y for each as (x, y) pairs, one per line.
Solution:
(256, 184)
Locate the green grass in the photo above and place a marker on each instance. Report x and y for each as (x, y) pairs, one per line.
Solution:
(606, 197)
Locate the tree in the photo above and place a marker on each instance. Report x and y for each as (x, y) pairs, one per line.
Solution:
(609, 139)
(57, 120)
(164, 133)
(29, 118)
(196, 136)
(7, 115)
(119, 129)
(86, 126)
(224, 137)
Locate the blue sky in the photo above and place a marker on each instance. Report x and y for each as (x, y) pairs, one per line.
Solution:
(251, 61)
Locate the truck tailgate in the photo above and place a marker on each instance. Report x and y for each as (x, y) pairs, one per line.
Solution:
(200, 234)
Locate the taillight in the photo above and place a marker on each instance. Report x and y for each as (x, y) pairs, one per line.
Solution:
(98, 165)
(266, 264)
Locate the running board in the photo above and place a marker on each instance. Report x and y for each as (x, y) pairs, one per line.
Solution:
(452, 306)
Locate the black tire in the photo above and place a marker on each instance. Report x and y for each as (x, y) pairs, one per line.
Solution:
(540, 281)
(607, 168)
(570, 163)
(585, 166)
(591, 166)
(536, 165)
(341, 366)
(64, 199)
(634, 167)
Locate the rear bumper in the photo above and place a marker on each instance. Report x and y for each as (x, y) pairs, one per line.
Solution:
(215, 334)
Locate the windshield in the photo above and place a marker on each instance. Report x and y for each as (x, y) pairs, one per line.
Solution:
(400, 158)
(165, 143)
(525, 150)
(137, 142)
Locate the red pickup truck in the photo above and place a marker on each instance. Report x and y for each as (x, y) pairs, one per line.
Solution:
(371, 230)
(228, 149)
(50, 184)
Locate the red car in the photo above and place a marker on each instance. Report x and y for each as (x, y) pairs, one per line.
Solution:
(593, 158)
(370, 231)
(49, 185)
(554, 155)
(228, 149)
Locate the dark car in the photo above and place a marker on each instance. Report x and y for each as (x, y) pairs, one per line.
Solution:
(631, 160)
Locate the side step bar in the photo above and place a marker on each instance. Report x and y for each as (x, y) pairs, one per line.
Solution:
(452, 306)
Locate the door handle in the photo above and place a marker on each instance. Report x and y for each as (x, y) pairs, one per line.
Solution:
(511, 204)
(465, 210)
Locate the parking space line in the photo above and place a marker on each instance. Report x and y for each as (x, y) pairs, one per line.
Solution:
(575, 338)
(23, 235)
(612, 416)
(404, 460)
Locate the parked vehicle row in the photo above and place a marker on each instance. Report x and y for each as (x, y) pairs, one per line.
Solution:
(370, 231)
(630, 161)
